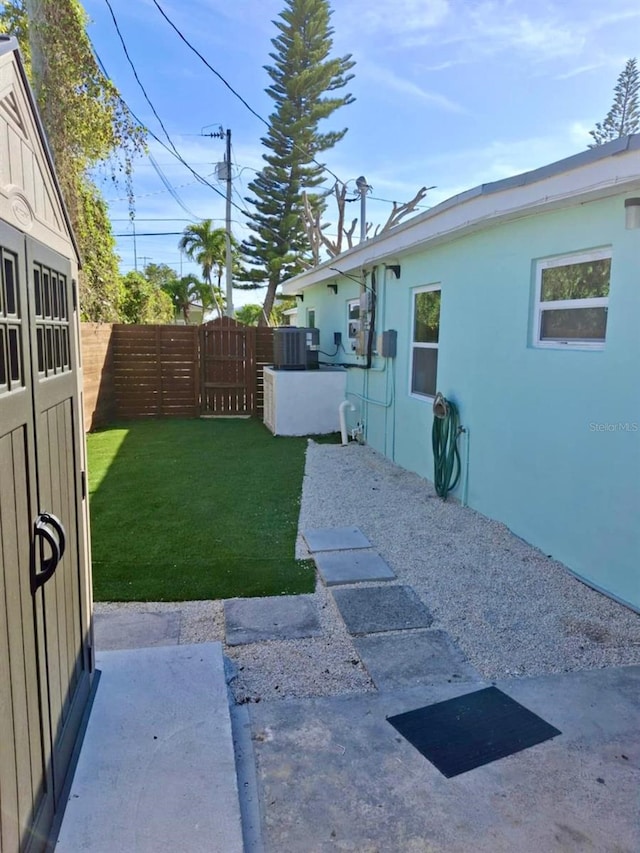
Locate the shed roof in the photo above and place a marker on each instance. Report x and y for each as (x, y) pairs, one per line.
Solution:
(9, 45)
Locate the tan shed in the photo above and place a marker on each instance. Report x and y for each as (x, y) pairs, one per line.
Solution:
(46, 661)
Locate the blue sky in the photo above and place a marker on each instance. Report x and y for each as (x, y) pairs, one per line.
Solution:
(451, 93)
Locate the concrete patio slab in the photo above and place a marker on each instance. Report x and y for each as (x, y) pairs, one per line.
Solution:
(335, 775)
(417, 657)
(124, 629)
(156, 772)
(372, 609)
(335, 539)
(285, 617)
(342, 567)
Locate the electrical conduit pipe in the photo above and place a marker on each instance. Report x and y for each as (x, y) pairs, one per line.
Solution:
(342, 408)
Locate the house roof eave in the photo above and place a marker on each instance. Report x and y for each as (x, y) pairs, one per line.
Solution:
(588, 175)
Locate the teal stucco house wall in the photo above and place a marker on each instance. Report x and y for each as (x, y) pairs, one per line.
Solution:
(519, 301)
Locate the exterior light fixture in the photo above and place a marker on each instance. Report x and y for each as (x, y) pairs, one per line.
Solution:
(632, 213)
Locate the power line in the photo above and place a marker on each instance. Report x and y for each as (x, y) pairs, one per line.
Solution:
(161, 219)
(158, 192)
(323, 166)
(151, 234)
(210, 67)
(135, 74)
(181, 159)
(173, 153)
(389, 201)
(170, 189)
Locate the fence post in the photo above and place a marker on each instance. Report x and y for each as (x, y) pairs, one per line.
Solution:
(197, 405)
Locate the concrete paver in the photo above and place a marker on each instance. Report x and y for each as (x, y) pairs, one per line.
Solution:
(342, 567)
(335, 539)
(371, 609)
(411, 658)
(123, 629)
(284, 617)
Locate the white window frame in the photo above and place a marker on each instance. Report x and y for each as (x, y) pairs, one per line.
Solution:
(427, 288)
(306, 317)
(540, 306)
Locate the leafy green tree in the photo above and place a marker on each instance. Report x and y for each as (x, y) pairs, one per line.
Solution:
(282, 304)
(624, 116)
(144, 302)
(207, 246)
(87, 124)
(159, 274)
(249, 314)
(304, 78)
(252, 315)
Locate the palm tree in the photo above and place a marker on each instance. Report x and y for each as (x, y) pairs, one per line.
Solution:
(206, 246)
(182, 292)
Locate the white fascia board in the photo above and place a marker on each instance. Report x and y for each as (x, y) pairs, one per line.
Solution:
(485, 206)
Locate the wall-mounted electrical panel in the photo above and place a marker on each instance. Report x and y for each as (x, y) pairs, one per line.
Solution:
(387, 345)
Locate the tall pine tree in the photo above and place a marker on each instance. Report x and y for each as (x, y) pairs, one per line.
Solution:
(304, 79)
(623, 117)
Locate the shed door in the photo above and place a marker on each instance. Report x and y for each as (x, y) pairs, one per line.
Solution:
(45, 662)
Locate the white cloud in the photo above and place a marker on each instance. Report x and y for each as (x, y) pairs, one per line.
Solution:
(384, 18)
(579, 134)
(456, 171)
(474, 30)
(396, 83)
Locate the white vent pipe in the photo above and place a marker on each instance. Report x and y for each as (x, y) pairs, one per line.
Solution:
(342, 408)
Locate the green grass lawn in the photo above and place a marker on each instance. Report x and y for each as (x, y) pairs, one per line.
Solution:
(195, 509)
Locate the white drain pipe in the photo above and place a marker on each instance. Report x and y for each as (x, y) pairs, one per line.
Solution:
(342, 408)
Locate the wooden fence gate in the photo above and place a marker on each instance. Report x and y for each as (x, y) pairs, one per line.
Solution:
(231, 358)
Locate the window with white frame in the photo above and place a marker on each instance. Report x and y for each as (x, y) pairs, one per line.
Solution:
(572, 297)
(425, 323)
(311, 318)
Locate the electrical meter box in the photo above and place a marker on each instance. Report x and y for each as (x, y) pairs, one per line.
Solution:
(387, 345)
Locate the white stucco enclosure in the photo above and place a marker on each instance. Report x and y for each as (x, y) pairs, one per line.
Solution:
(303, 402)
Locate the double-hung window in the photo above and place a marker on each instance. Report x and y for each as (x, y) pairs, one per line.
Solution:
(572, 297)
(424, 344)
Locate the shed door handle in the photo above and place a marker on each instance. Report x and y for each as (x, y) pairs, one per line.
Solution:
(49, 529)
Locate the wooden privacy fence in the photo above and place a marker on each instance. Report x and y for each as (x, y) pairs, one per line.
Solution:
(155, 371)
(96, 341)
(181, 371)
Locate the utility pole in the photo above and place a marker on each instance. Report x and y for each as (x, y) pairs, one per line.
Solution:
(229, 254)
(363, 189)
(223, 172)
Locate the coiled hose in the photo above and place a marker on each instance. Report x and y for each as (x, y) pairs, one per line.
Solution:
(444, 438)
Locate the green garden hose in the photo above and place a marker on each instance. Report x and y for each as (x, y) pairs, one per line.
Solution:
(444, 437)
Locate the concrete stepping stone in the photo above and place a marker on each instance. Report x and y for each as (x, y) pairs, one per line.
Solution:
(127, 629)
(279, 617)
(417, 657)
(373, 609)
(335, 539)
(340, 567)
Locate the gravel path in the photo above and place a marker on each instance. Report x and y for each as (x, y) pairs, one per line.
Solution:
(511, 609)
